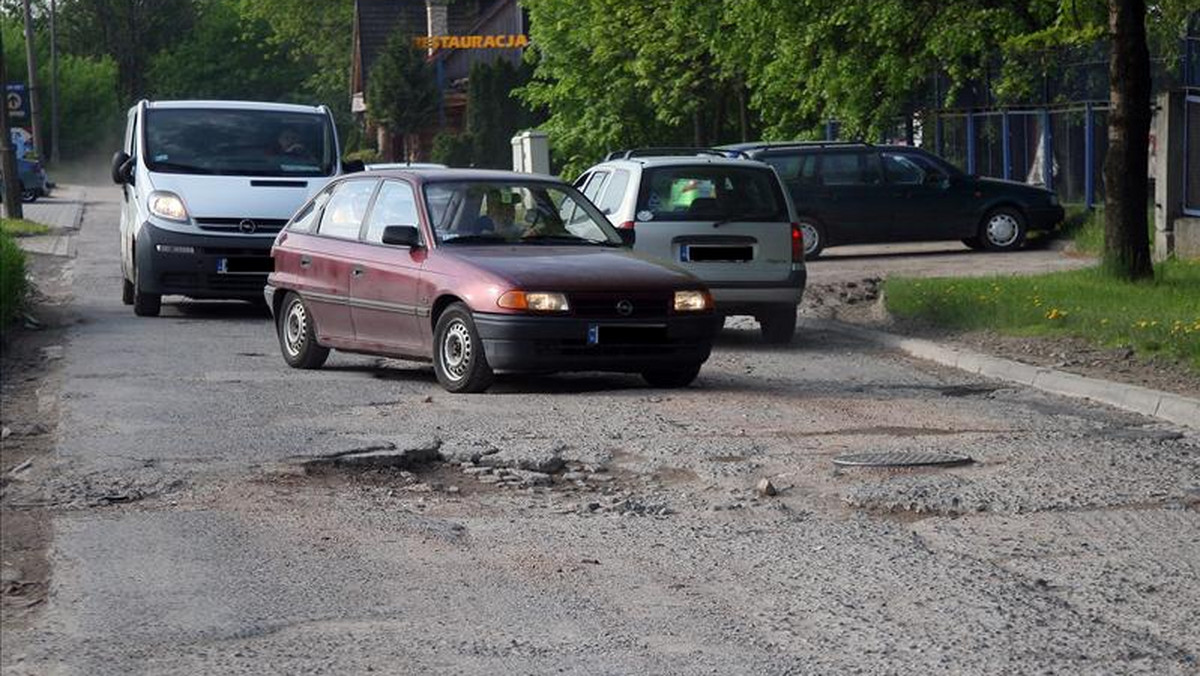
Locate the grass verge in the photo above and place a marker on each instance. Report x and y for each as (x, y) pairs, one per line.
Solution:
(12, 278)
(1161, 317)
(19, 227)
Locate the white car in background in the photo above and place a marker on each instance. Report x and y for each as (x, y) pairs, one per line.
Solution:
(727, 221)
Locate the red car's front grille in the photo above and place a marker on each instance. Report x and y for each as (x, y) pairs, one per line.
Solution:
(616, 305)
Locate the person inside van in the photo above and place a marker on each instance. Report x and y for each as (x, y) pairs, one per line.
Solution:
(289, 143)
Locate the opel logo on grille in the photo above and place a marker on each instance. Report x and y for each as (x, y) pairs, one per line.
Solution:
(624, 308)
(247, 226)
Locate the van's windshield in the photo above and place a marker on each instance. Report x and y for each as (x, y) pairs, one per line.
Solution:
(239, 142)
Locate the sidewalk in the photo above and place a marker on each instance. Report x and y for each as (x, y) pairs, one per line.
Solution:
(62, 211)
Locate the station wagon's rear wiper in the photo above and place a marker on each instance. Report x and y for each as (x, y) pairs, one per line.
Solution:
(743, 217)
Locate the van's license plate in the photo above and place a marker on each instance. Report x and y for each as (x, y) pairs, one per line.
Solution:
(250, 265)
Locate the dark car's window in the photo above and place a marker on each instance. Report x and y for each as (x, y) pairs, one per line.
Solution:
(306, 218)
(343, 215)
(710, 192)
(239, 142)
(850, 169)
(797, 168)
(396, 205)
(910, 169)
(514, 212)
(615, 192)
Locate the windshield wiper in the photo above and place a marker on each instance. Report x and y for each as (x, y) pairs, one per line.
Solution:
(743, 217)
(475, 239)
(179, 168)
(559, 239)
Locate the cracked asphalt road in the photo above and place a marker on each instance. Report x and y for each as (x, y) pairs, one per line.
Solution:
(188, 537)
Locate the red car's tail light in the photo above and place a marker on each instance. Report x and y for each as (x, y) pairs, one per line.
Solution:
(797, 243)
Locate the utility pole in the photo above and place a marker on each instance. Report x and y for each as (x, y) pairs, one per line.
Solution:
(35, 110)
(54, 156)
(8, 162)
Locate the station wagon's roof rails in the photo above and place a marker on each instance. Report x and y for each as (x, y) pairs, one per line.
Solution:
(772, 145)
(670, 151)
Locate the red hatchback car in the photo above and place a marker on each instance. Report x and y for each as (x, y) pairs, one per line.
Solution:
(480, 271)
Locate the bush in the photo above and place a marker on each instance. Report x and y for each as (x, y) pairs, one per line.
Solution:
(452, 150)
(12, 279)
(367, 155)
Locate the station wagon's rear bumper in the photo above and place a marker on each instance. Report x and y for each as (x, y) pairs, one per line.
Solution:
(750, 297)
(1044, 218)
(521, 343)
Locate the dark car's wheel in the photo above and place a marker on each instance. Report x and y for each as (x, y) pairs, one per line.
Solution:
(29, 195)
(814, 237)
(778, 324)
(458, 357)
(678, 377)
(126, 291)
(298, 335)
(144, 304)
(1003, 229)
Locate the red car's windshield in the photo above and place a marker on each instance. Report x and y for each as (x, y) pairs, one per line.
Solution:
(507, 212)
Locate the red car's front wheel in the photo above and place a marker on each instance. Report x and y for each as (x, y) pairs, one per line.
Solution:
(458, 357)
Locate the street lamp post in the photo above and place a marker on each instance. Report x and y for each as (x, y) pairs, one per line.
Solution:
(54, 157)
(35, 110)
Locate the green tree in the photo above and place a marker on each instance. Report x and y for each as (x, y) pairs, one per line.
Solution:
(402, 94)
(495, 113)
(226, 55)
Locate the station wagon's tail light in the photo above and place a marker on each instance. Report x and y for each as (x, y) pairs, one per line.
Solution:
(627, 225)
(534, 301)
(797, 243)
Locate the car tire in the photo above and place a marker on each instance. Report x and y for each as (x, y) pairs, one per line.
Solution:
(778, 324)
(814, 237)
(29, 195)
(1003, 229)
(458, 357)
(126, 291)
(298, 335)
(973, 243)
(672, 379)
(144, 304)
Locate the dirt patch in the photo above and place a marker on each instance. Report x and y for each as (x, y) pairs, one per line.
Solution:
(858, 302)
(31, 363)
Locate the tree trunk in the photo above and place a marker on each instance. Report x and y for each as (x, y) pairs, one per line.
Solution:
(1126, 240)
(8, 162)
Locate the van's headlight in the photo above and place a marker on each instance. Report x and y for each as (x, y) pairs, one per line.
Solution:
(693, 301)
(534, 301)
(167, 205)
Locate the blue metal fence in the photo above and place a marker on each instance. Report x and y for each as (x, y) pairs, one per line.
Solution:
(1191, 155)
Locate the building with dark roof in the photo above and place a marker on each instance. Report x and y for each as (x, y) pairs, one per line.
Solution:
(376, 20)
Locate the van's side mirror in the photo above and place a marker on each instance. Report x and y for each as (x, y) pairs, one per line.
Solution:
(628, 237)
(402, 235)
(353, 166)
(122, 167)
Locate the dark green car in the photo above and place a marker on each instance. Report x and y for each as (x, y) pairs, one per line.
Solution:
(859, 193)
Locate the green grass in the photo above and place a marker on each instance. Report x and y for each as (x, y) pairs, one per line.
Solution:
(12, 278)
(1086, 228)
(1160, 317)
(19, 227)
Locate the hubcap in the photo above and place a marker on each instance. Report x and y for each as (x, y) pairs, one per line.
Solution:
(456, 350)
(1002, 230)
(811, 236)
(295, 329)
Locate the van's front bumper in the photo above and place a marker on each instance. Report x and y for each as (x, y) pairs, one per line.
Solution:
(202, 266)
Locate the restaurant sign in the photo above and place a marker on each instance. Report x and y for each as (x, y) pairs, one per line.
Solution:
(471, 41)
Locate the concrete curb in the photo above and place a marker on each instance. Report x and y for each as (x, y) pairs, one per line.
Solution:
(1173, 408)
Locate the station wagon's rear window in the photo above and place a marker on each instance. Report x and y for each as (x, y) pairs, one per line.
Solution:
(710, 192)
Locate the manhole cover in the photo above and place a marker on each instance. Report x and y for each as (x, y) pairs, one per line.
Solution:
(900, 459)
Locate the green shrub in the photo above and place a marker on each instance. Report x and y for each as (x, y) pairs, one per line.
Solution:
(367, 155)
(12, 279)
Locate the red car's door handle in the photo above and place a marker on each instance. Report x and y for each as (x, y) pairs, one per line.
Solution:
(305, 262)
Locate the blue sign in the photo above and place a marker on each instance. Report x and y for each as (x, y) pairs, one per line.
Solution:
(17, 100)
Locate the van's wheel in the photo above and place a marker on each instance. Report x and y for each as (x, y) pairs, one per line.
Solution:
(814, 237)
(778, 324)
(675, 378)
(144, 304)
(458, 357)
(126, 291)
(298, 335)
(1003, 229)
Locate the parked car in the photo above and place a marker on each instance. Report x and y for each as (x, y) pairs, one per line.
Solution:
(859, 193)
(480, 271)
(727, 221)
(34, 183)
(207, 185)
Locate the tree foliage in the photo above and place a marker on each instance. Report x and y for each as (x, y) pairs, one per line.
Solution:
(402, 94)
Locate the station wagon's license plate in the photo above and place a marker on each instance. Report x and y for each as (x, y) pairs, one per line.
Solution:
(699, 253)
(626, 334)
(250, 265)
